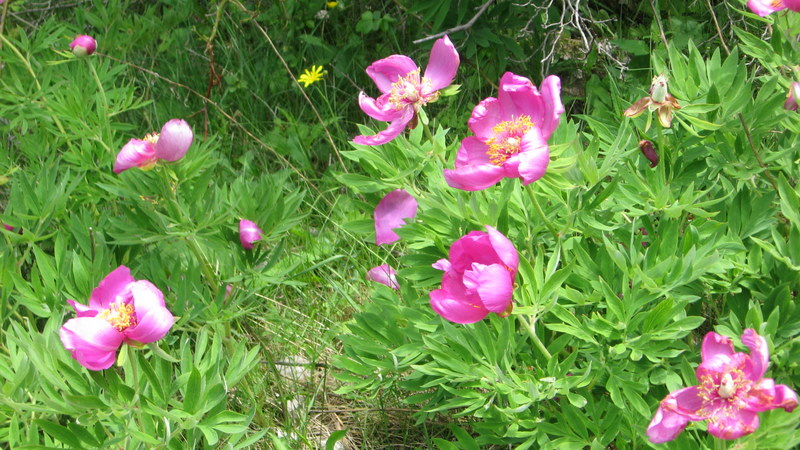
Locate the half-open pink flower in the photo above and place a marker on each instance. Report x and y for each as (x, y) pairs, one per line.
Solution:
(732, 391)
(120, 310)
(511, 133)
(478, 278)
(405, 91)
(170, 145)
(391, 213)
(83, 45)
(766, 7)
(384, 274)
(249, 233)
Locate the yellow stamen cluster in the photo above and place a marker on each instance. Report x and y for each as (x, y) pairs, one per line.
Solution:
(408, 90)
(119, 315)
(777, 4)
(507, 138)
(151, 138)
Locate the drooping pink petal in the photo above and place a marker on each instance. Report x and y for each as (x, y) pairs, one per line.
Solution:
(442, 264)
(152, 326)
(392, 131)
(174, 140)
(472, 151)
(759, 354)
(146, 297)
(378, 109)
(733, 424)
(82, 310)
(504, 249)
(388, 70)
(552, 108)
(384, 274)
(765, 7)
(765, 395)
(485, 116)
(136, 153)
(714, 344)
(113, 288)
(534, 156)
(391, 213)
(248, 233)
(665, 426)
(456, 310)
(92, 341)
(494, 285)
(83, 45)
(443, 64)
(474, 177)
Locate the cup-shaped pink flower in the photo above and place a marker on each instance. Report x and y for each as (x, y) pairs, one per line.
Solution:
(511, 133)
(249, 233)
(767, 7)
(478, 277)
(404, 91)
(120, 310)
(384, 274)
(792, 97)
(174, 140)
(83, 45)
(731, 392)
(391, 213)
(170, 145)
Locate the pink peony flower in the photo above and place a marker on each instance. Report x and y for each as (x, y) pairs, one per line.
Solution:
(83, 45)
(404, 91)
(732, 391)
(478, 278)
(511, 133)
(171, 144)
(391, 213)
(766, 7)
(792, 96)
(384, 274)
(121, 310)
(249, 233)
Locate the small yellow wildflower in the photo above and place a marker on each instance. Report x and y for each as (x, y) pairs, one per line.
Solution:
(331, 5)
(311, 76)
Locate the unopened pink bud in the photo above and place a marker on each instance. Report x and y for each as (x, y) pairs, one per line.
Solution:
(83, 45)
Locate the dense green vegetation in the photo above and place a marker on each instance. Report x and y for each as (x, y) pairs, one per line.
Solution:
(624, 266)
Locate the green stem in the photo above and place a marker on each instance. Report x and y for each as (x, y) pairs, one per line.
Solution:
(535, 201)
(427, 130)
(135, 372)
(102, 115)
(205, 267)
(530, 326)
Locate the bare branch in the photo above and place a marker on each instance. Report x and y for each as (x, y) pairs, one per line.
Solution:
(460, 27)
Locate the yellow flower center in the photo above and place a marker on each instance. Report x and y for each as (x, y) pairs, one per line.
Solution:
(410, 90)
(507, 138)
(776, 4)
(119, 315)
(151, 138)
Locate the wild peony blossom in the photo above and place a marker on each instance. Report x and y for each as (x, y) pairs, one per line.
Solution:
(83, 45)
(478, 278)
(766, 7)
(659, 99)
(170, 145)
(249, 233)
(121, 310)
(732, 391)
(404, 91)
(384, 274)
(511, 133)
(391, 213)
(792, 97)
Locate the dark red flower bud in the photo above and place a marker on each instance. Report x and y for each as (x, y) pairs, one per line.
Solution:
(649, 151)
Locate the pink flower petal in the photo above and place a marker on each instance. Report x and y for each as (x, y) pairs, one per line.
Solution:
(136, 153)
(765, 395)
(152, 326)
(534, 156)
(474, 177)
(472, 151)
(714, 344)
(494, 285)
(518, 96)
(443, 64)
(764, 7)
(392, 131)
(504, 249)
(82, 310)
(248, 233)
(442, 264)
(385, 275)
(113, 288)
(665, 426)
(485, 116)
(733, 424)
(759, 354)
(391, 213)
(174, 140)
(92, 341)
(456, 310)
(388, 70)
(378, 109)
(146, 297)
(551, 104)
